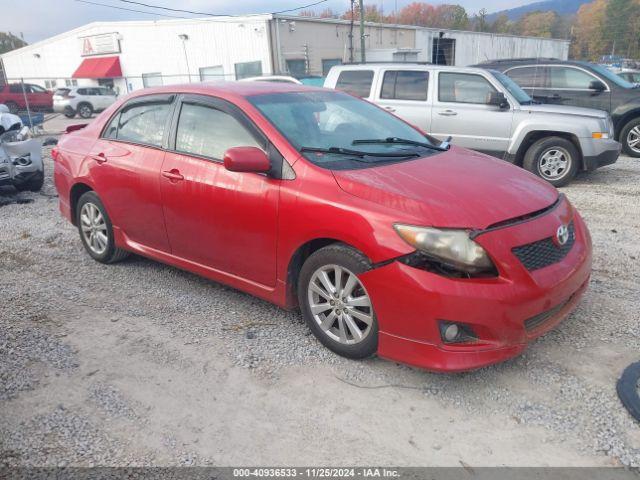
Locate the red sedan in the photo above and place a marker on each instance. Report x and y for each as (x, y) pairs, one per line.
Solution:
(390, 241)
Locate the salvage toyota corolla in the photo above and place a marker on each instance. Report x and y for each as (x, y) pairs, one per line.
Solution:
(389, 240)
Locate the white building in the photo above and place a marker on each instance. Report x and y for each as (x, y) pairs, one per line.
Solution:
(134, 54)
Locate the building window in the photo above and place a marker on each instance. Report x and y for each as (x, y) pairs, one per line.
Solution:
(327, 63)
(443, 51)
(49, 84)
(248, 69)
(71, 82)
(297, 67)
(208, 74)
(151, 79)
(355, 82)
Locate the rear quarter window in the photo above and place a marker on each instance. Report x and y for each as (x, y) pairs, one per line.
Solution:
(355, 82)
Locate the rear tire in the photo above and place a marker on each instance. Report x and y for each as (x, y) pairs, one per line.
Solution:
(334, 303)
(554, 159)
(69, 112)
(85, 110)
(96, 230)
(630, 138)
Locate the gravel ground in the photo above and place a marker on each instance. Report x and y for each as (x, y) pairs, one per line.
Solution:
(142, 364)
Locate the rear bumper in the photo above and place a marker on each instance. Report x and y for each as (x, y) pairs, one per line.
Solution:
(410, 302)
(62, 107)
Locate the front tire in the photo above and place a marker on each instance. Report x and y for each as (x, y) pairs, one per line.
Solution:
(96, 230)
(630, 138)
(555, 159)
(335, 304)
(33, 185)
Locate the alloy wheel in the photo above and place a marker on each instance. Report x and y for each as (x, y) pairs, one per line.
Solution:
(340, 304)
(633, 139)
(85, 112)
(554, 163)
(94, 228)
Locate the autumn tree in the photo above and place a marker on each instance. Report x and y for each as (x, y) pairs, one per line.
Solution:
(537, 24)
(588, 30)
(621, 27)
(502, 24)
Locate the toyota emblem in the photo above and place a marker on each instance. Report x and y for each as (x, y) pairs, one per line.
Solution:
(562, 234)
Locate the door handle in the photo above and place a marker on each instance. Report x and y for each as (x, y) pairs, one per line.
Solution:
(448, 113)
(390, 109)
(100, 158)
(174, 175)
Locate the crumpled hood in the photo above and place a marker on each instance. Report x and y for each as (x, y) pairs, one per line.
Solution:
(565, 110)
(458, 189)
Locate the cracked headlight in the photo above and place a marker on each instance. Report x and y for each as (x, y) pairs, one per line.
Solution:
(452, 247)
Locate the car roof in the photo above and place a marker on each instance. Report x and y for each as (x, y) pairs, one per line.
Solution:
(532, 61)
(404, 66)
(227, 89)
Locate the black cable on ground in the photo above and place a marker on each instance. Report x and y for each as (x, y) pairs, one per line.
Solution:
(628, 388)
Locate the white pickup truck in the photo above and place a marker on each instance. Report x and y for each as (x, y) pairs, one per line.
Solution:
(486, 111)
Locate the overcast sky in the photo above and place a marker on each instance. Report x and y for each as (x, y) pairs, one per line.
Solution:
(39, 19)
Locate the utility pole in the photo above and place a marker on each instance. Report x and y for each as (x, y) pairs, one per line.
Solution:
(351, 57)
(362, 55)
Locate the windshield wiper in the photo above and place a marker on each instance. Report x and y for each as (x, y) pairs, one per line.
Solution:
(356, 153)
(400, 141)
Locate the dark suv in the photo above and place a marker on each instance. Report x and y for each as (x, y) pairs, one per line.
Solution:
(581, 84)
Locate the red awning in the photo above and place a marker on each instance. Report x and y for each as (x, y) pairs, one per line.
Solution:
(101, 67)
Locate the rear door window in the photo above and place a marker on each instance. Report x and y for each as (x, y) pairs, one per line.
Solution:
(355, 82)
(405, 85)
(464, 88)
(529, 77)
(143, 124)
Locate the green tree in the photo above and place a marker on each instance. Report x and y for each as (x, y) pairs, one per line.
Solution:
(9, 41)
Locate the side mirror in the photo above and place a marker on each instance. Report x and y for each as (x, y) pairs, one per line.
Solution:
(246, 159)
(499, 100)
(597, 85)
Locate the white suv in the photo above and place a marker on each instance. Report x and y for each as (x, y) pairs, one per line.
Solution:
(486, 111)
(82, 100)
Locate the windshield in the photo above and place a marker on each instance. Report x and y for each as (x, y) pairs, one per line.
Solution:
(609, 75)
(514, 89)
(316, 121)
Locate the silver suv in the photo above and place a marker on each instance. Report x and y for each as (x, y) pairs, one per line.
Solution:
(486, 111)
(82, 100)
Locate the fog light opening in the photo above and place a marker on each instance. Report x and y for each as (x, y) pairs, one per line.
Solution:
(454, 332)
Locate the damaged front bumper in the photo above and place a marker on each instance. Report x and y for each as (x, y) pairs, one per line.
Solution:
(20, 162)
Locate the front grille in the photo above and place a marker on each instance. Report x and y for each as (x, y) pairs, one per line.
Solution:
(538, 320)
(544, 252)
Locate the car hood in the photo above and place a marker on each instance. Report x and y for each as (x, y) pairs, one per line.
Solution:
(456, 189)
(565, 110)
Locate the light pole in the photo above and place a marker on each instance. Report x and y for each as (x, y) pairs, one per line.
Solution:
(184, 37)
(363, 57)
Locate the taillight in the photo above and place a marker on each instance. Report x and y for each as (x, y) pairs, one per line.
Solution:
(54, 154)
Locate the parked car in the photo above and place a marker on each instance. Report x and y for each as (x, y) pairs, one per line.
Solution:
(273, 78)
(13, 96)
(83, 101)
(485, 111)
(388, 240)
(20, 156)
(581, 84)
(631, 76)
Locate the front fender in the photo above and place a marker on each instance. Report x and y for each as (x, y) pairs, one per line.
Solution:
(582, 128)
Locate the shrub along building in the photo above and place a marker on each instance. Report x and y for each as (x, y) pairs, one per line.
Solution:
(136, 54)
